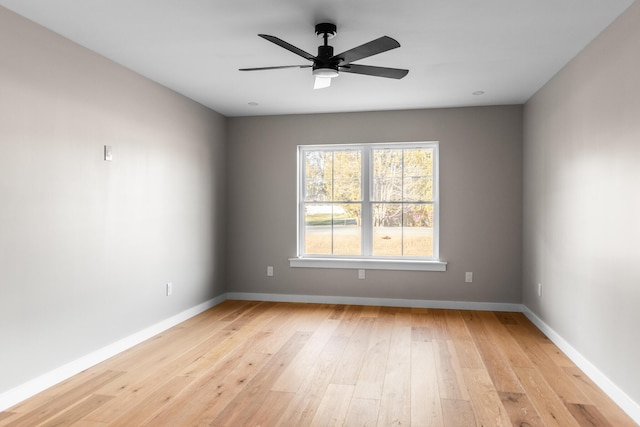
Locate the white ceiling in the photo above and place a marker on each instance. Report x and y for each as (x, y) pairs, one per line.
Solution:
(506, 48)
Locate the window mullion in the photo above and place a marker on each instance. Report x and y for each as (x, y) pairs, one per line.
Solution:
(402, 200)
(367, 217)
(333, 200)
(301, 200)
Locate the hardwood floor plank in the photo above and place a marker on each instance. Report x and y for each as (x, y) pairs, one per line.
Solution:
(251, 397)
(371, 378)
(556, 355)
(243, 309)
(421, 326)
(395, 403)
(145, 408)
(350, 363)
(605, 405)
(520, 409)
(6, 415)
(246, 316)
(317, 313)
(271, 410)
(59, 390)
(370, 311)
(421, 333)
(588, 415)
(333, 407)
(348, 321)
(306, 400)
(62, 402)
(77, 412)
(286, 321)
(555, 376)
(487, 406)
(544, 399)
(295, 374)
(468, 354)
(439, 322)
(425, 398)
(499, 369)
(496, 332)
(250, 363)
(450, 381)
(362, 413)
(457, 413)
(506, 318)
(207, 398)
(84, 423)
(456, 325)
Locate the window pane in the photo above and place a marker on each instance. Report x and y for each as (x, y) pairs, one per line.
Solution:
(387, 175)
(318, 170)
(418, 175)
(347, 235)
(347, 176)
(317, 229)
(333, 229)
(387, 229)
(418, 230)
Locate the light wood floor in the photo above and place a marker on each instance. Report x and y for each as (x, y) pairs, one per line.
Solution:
(278, 364)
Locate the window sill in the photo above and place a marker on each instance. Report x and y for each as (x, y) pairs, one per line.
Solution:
(368, 264)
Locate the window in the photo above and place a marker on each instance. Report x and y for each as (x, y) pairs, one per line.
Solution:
(368, 206)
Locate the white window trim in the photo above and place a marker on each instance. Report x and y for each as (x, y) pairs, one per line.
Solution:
(369, 262)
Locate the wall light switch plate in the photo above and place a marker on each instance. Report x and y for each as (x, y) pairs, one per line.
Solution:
(108, 153)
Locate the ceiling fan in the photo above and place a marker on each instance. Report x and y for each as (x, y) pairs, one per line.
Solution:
(326, 66)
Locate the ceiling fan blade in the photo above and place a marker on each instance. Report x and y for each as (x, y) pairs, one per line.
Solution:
(274, 68)
(322, 82)
(289, 47)
(374, 47)
(369, 70)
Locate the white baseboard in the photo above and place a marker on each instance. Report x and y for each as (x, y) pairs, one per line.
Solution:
(30, 388)
(609, 387)
(384, 302)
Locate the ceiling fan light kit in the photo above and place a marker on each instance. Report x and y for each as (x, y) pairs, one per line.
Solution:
(326, 66)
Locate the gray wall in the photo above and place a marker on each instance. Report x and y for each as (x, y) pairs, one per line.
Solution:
(481, 203)
(86, 246)
(582, 205)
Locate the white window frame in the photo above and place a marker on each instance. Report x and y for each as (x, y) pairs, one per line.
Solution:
(368, 261)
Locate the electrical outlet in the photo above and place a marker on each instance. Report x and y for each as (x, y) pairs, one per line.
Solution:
(270, 270)
(169, 288)
(468, 277)
(539, 289)
(361, 274)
